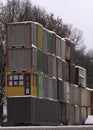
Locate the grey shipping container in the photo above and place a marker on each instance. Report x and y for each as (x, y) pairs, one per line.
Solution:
(46, 67)
(45, 40)
(54, 88)
(64, 70)
(83, 114)
(46, 86)
(67, 114)
(54, 67)
(72, 52)
(72, 73)
(67, 48)
(19, 34)
(34, 59)
(61, 91)
(53, 43)
(33, 111)
(19, 59)
(85, 97)
(50, 87)
(77, 115)
(67, 71)
(59, 68)
(50, 65)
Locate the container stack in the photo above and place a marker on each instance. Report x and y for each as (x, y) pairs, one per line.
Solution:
(41, 74)
(34, 66)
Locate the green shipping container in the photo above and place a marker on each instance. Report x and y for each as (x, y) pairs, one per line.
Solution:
(41, 85)
(40, 61)
(49, 42)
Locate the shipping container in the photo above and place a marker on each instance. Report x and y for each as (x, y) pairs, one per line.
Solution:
(88, 109)
(54, 43)
(41, 85)
(19, 34)
(18, 59)
(85, 97)
(54, 67)
(72, 94)
(59, 68)
(34, 59)
(34, 85)
(64, 70)
(40, 59)
(91, 98)
(33, 111)
(46, 66)
(77, 115)
(54, 88)
(83, 115)
(62, 51)
(67, 114)
(80, 76)
(77, 96)
(21, 84)
(67, 71)
(58, 46)
(50, 62)
(67, 49)
(45, 40)
(49, 42)
(46, 86)
(72, 52)
(50, 85)
(61, 91)
(34, 34)
(39, 36)
(72, 73)
(67, 85)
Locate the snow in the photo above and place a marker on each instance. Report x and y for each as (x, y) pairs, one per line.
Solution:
(89, 120)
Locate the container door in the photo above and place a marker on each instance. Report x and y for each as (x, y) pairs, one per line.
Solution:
(27, 84)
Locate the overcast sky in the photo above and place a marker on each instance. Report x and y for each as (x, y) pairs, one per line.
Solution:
(76, 12)
(79, 13)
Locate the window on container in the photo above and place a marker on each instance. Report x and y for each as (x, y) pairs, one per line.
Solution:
(15, 80)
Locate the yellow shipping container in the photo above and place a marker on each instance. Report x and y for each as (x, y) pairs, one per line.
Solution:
(39, 36)
(21, 84)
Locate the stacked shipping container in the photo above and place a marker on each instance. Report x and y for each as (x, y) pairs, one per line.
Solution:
(41, 64)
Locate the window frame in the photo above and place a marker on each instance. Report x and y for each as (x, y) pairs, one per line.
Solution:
(13, 81)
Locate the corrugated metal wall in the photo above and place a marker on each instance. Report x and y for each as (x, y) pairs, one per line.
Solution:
(19, 59)
(30, 110)
(19, 35)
